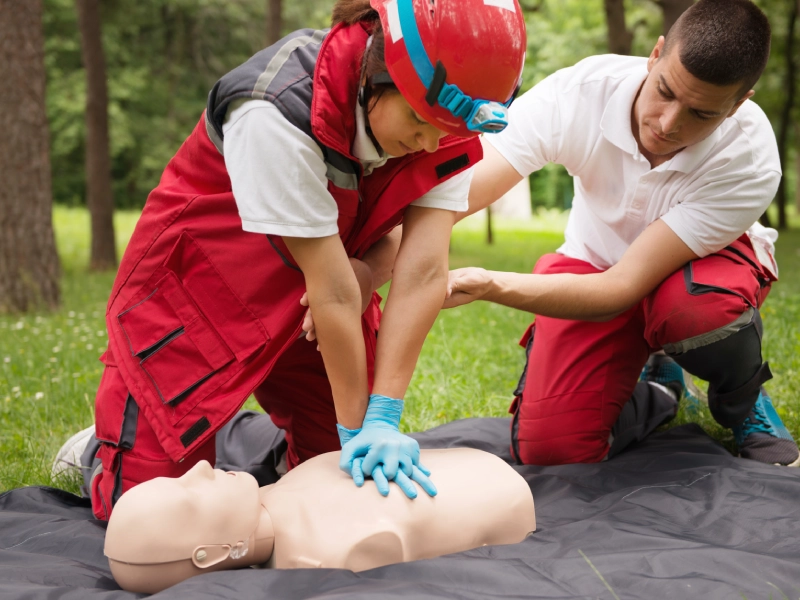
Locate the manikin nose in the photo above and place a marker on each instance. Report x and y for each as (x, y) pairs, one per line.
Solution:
(202, 470)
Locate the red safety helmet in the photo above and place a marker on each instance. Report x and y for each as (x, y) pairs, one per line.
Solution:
(458, 63)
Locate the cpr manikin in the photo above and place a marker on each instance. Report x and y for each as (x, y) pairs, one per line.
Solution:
(169, 529)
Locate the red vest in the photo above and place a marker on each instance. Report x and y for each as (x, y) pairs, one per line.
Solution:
(200, 309)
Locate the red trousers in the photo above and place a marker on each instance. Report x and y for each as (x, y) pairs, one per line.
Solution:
(296, 394)
(580, 374)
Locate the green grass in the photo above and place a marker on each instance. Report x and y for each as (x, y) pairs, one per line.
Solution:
(469, 366)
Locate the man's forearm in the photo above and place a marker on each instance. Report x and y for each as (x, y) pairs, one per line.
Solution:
(654, 255)
(588, 297)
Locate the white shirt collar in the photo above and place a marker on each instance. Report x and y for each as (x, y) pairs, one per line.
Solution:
(616, 120)
(363, 147)
(616, 127)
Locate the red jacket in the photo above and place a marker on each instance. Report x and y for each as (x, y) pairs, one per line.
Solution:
(200, 309)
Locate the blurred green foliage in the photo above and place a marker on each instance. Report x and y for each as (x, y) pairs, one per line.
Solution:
(164, 56)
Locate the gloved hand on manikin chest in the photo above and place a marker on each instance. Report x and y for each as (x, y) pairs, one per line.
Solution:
(380, 450)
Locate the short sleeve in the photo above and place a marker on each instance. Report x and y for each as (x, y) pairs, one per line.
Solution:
(277, 174)
(713, 216)
(533, 136)
(452, 194)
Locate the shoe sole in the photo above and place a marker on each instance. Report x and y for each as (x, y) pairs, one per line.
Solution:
(67, 450)
(792, 464)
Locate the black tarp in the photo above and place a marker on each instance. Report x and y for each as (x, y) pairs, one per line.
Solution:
(674, 517)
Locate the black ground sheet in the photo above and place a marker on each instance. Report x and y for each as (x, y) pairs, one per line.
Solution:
(674, 517)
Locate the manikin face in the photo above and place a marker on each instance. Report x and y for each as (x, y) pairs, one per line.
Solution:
(210, 491)
(204, 506)
(674, 109)
(399, 129)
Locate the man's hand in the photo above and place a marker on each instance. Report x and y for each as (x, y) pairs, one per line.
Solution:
(365, 283)
(466, 285)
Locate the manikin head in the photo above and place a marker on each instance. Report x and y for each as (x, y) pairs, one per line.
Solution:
(433, 69)
(700, 75)
(208, 523)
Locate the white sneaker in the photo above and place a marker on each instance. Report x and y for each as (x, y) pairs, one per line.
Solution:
(69, 456)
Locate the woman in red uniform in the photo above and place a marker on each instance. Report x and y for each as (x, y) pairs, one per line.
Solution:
(307, 157)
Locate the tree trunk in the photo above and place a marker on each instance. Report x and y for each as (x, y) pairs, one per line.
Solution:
(489, 227)
(274, 21)
(797, 167)
(786, 113)
(619, 38)
(672, 10)
(99, 197)
(29, 268)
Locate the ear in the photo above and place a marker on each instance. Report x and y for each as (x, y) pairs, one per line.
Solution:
(208, 556)
(741, 100)
(658, 51)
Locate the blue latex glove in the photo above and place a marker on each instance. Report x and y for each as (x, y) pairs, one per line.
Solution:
(380, 450)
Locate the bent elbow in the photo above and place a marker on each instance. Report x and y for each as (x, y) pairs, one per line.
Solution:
(622, 296)
(423, 273)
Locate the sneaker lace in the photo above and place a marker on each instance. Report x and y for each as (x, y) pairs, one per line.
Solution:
(756, 422)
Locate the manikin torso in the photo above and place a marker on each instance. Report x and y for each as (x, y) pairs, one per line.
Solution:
(167, 530)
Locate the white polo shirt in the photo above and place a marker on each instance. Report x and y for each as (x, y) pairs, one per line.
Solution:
(278, 173)
(708, 194)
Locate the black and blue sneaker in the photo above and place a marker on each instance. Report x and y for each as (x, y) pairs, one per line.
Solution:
(665, 372)
(764, 437)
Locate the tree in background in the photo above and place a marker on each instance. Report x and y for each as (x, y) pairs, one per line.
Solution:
(619, 37)
(274, 21)
(786, 112)
(99, 197)
(672, 9)
(797, 168)
(29, 268)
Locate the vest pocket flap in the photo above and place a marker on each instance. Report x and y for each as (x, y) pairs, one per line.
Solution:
(168, 319)
(149, 322)
(176, 368)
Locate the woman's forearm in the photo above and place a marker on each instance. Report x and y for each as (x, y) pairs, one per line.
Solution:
(341, 342)
(381, 257)
(335, 299)
(411, 309)
(419, 285)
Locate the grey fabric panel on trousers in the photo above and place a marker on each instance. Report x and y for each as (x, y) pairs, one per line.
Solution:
(674, 517)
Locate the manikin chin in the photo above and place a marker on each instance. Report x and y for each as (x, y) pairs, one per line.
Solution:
(167, 530)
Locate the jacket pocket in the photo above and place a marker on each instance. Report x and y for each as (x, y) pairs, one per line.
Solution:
(177, 348)
(733, 270)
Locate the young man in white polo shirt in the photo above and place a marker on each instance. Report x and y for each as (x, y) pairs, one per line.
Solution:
(672, 167)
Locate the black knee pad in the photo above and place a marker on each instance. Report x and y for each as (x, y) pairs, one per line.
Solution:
(733, 368)
(648, 408)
